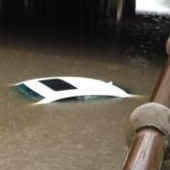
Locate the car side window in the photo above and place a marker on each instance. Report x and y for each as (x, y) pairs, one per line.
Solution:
(29, 92)
(58, 85)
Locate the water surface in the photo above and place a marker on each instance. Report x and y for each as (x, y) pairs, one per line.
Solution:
(75, 135)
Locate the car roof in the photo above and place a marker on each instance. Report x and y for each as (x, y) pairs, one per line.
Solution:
(78, 82)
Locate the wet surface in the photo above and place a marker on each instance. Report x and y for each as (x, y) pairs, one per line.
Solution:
(153, 6)
(75, 135)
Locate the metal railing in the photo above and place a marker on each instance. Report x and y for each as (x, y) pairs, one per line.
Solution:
(151, 127)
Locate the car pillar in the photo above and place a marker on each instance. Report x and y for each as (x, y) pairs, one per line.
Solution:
(151, 128)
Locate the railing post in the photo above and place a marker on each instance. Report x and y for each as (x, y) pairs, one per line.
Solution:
(151, 126)
(146, 152)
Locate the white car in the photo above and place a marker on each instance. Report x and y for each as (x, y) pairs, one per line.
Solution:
(51, 89)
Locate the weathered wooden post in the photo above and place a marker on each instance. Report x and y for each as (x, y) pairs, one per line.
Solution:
(151, 125)
(125, 9)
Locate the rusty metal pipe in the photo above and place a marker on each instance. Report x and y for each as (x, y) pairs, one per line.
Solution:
(161, 93)
(147, 149)
(146, 152)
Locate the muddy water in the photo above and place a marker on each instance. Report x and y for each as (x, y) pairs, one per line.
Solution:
(75, 135)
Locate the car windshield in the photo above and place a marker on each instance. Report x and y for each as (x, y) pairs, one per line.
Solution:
(57, 84)
(29, 92)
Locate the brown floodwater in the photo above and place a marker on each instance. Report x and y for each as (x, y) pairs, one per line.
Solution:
(75, 135)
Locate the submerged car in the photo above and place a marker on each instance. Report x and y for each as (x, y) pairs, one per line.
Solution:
(51, 89)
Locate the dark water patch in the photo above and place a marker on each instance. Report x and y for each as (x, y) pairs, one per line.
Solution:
(45, 11)
(146, 36)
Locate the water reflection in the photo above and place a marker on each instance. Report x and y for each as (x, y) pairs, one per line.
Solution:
(153, 6)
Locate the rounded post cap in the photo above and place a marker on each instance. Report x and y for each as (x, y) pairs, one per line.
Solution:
(151, 115)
